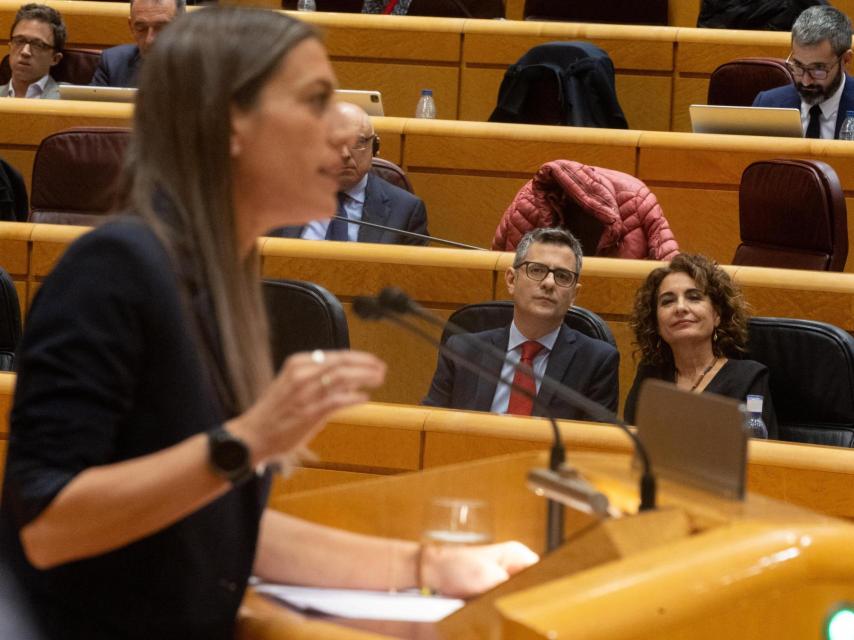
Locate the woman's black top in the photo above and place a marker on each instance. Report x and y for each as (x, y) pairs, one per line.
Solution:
(736, 379)
(110, 370)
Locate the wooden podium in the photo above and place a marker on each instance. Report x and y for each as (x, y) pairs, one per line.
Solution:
(698, 567)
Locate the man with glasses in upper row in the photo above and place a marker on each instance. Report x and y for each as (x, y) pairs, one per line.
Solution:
(543, 283)
(35, 42)
(363, 196)
(821, 50)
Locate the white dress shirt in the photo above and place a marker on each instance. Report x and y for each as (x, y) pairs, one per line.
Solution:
(829, 111)
(35, 90)
(354, 204)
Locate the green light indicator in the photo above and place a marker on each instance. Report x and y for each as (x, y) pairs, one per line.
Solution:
(840, 625)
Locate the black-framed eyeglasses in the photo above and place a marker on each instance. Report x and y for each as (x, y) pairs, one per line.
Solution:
(362, 143)
(815, 72)
(539, 272)
(19, 42)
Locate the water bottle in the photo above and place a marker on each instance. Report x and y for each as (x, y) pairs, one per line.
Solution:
(306, 5)
(846, 132)
(754, 425)
(426, 107)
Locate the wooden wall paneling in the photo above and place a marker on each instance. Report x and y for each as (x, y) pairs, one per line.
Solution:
(687, 90)
(468, 173)
(390, 131)
(703, 220)
(398, 55)
(514, 9)
(812, 295)
(401, 84)
(683, 13)
(697, 178)
(440, 279)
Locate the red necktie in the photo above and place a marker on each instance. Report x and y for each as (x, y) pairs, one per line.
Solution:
(521, 405)
(390, 7)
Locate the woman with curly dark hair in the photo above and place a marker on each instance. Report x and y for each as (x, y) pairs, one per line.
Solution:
(690, 328)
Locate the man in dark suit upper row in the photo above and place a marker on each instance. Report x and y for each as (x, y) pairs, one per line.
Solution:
(119, 66)
(365, 197)
(821, 50)
(543, 283)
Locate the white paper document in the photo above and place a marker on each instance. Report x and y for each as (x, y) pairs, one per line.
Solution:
(408, 606)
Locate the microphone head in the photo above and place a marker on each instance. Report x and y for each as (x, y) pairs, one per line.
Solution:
(395, 300)
(368, 308)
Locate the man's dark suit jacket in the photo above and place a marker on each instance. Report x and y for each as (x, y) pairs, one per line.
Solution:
(119, 67)
(387, 205)
(589, 366)
(789, 98)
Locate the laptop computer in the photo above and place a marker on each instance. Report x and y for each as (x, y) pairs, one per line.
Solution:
(747, 121)
(370, 101)
(97, 94)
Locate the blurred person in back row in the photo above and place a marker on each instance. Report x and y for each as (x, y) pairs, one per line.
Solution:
(147, 416)
(36, 41)
(366, 197)
(119, 66)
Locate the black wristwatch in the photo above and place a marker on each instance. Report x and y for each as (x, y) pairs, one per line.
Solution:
(229, 456)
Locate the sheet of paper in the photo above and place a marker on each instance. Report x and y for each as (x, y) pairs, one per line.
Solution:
(366, 605)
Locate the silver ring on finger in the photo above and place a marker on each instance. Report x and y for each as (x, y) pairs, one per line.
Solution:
(318, 356)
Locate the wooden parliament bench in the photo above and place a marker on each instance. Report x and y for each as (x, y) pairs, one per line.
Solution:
(446, 279)
(660, 70)
(468, 172)
(378, 439)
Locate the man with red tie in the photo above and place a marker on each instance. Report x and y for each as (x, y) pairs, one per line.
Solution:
(543, 283)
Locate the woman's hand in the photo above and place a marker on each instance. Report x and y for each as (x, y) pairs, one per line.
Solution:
(308, 388)
(467, 571)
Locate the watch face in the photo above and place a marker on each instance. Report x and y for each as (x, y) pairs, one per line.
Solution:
(231, 455)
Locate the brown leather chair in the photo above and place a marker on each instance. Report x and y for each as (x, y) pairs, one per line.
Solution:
(390, 172)
(76, 67)
(792, 215)
(76, 174)
(607, 11)
(737, 83)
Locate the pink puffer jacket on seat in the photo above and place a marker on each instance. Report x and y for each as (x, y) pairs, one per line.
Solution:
(634, 226)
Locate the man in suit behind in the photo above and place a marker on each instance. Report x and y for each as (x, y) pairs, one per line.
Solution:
(36, 40)
(821, 49)
(543, 283)
(364, 196)
(119, 66)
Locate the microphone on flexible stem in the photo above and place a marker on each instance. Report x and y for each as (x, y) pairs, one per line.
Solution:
(397, 301)
(583, 494)
(409, 234)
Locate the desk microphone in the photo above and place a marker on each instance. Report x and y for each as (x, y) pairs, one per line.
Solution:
(409, 234)
(392, 303)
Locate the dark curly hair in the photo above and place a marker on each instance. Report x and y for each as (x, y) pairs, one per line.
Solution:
(725, 296)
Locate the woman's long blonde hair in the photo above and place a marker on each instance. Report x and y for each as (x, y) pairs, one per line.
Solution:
(202, 66)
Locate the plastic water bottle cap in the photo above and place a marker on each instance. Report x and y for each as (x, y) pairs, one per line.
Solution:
(754, 404)
(429, 92)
